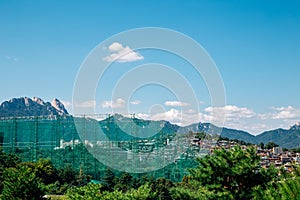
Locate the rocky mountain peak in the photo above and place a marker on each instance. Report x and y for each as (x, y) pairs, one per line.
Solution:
(38, 100)
(25, 106)
(58, 105)
(296, 126)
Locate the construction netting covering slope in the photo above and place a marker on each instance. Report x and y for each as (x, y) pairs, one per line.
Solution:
(75, 141)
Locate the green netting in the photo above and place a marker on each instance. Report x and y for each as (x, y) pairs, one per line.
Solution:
(57, 138)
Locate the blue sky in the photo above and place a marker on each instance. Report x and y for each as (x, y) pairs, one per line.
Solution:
(255, 45)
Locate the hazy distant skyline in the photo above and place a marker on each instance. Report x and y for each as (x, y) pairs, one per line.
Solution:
(255, 45)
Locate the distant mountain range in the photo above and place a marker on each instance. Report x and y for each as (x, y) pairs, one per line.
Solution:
(289, 138)
(225, 132)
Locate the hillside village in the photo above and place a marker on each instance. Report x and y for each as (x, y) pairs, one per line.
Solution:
(270, 154)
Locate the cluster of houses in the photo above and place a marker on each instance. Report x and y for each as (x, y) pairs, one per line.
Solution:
(275, 156)
(278, 158)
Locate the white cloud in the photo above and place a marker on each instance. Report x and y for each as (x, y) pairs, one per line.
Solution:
(119, 103)
(191, 111)
(120, 53)
(135, 102)
(85, 104)
(66, 103)
(142, 116)
(172, 115)
(289, 108)
(176, 103)
(178, 117)
(246, 119)
(230, 111)
(285, 113)
(229, 116)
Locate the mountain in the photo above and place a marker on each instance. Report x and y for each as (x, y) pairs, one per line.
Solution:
(25, 106)
(59, 106)
(288, 138)
(118, 127)
(225, 132)
(122, 125)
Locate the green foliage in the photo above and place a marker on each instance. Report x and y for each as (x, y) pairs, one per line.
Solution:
(95, 191)
(67, 175)
(161, 187)
(31, 179)
(226, 174)
(285, 188)
(35, 178)
(108, 180)
(6, 161)
(200, 135)
(43, 169)
(199, 193)
(87, 192)
(261, 145)
(124, 183)
(270, 145)
(294, 150)
(234, 171)
(22, 183)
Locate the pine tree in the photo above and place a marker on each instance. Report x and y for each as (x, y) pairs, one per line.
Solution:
(108, 180)
(235, 171)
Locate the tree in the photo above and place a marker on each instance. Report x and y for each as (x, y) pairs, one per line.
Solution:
(67, 175)
(201, 193)
(22, 183)
(142, 193)
(161, 187)
(43, 169)
(90, 191)
(6, 161)
(108, 180)
(234, 171)
(270, 145)
(124, 183)
(200, 135)
(262, 145)
(94, 191)
(286, 187)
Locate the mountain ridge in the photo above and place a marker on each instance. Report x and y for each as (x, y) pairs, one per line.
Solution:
(25, 106)
(288, 138)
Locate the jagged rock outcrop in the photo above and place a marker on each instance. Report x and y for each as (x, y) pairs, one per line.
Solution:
(25, 106)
